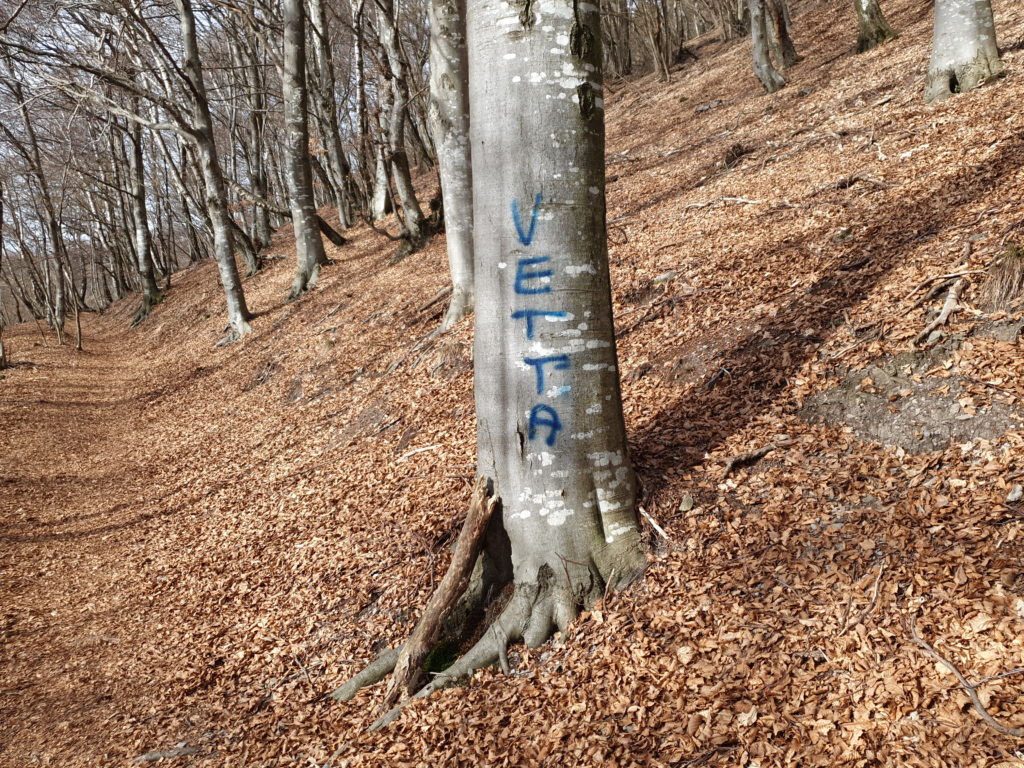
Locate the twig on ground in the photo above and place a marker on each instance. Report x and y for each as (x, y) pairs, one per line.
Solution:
(654, 524)
(848, 181)
(871, 605)
(741, 200)
(749, 457)
(925, 297)
(970, 690)
(951, 305)
(437, 297)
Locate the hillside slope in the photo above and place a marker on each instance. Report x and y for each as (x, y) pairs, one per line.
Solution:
(200, 542)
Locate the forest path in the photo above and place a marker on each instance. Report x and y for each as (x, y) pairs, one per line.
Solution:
(69, 479)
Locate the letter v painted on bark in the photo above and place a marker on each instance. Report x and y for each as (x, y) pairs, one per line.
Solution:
(526, 237)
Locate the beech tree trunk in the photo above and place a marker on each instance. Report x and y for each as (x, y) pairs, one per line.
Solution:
(310, 247)
(550, 423)
(339, 168)
(449, 122)
(143, 238)
(964, 50)
(213, 179)
(779, 34)
(872, 28)
(763, 67)
(380, 202)
(395, 102)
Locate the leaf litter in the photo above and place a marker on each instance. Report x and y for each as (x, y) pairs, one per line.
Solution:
(200, 543)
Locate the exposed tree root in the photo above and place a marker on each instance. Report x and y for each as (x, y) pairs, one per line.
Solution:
(951, 305)
(547, 596)
(376, 671)
(459, 307)
(145, 307)
(514, 624)
(235, 332)
(970, 690)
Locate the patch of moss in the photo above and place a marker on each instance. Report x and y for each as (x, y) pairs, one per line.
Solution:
(440, 658)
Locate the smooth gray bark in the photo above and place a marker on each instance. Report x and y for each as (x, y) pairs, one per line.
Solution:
(309, 246)
(213, 179)
(143, 238)
(379, 201)
(395, 104)
(449, 122)
(872, 27)
(763, 67)
(338, 165)
(964, 50)
(550, 426)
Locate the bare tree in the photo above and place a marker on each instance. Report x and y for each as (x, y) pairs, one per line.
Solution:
(449, 121)
(143, 238)
(310, 248)
(395, 111)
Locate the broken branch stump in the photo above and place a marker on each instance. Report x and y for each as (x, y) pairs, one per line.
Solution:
(408, 667)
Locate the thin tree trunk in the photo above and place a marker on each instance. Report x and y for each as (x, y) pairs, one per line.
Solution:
(213, 179)
(380, 203)
(763, 67)
(449, 121)
(143, 240)
(329, 111)
(309, 246)
(397, 105)
(872, 27)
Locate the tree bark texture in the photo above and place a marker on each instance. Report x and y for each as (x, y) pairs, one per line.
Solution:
(310, 254)
(395, 102)
(550, 423)
(143, 239)
(779, 34)
(964, 50)
(449, 122)
(339, 168)
(213, 179)
(872, 27)
(763, 67)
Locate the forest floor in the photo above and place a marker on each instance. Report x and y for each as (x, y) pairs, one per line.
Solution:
(199, 543)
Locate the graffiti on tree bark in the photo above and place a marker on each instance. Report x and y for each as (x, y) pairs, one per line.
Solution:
(532, 278)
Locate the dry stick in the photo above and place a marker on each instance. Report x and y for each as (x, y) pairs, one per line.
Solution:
(951, 305)
(970, 690)
(654, 524)
(749, 457)
(871, 605)
(437, 297)
(742, 200)
(467, 547)
(848, 181)
(933, 278)
(925, 297)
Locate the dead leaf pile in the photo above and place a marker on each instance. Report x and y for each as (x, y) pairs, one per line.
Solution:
(199, 543)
